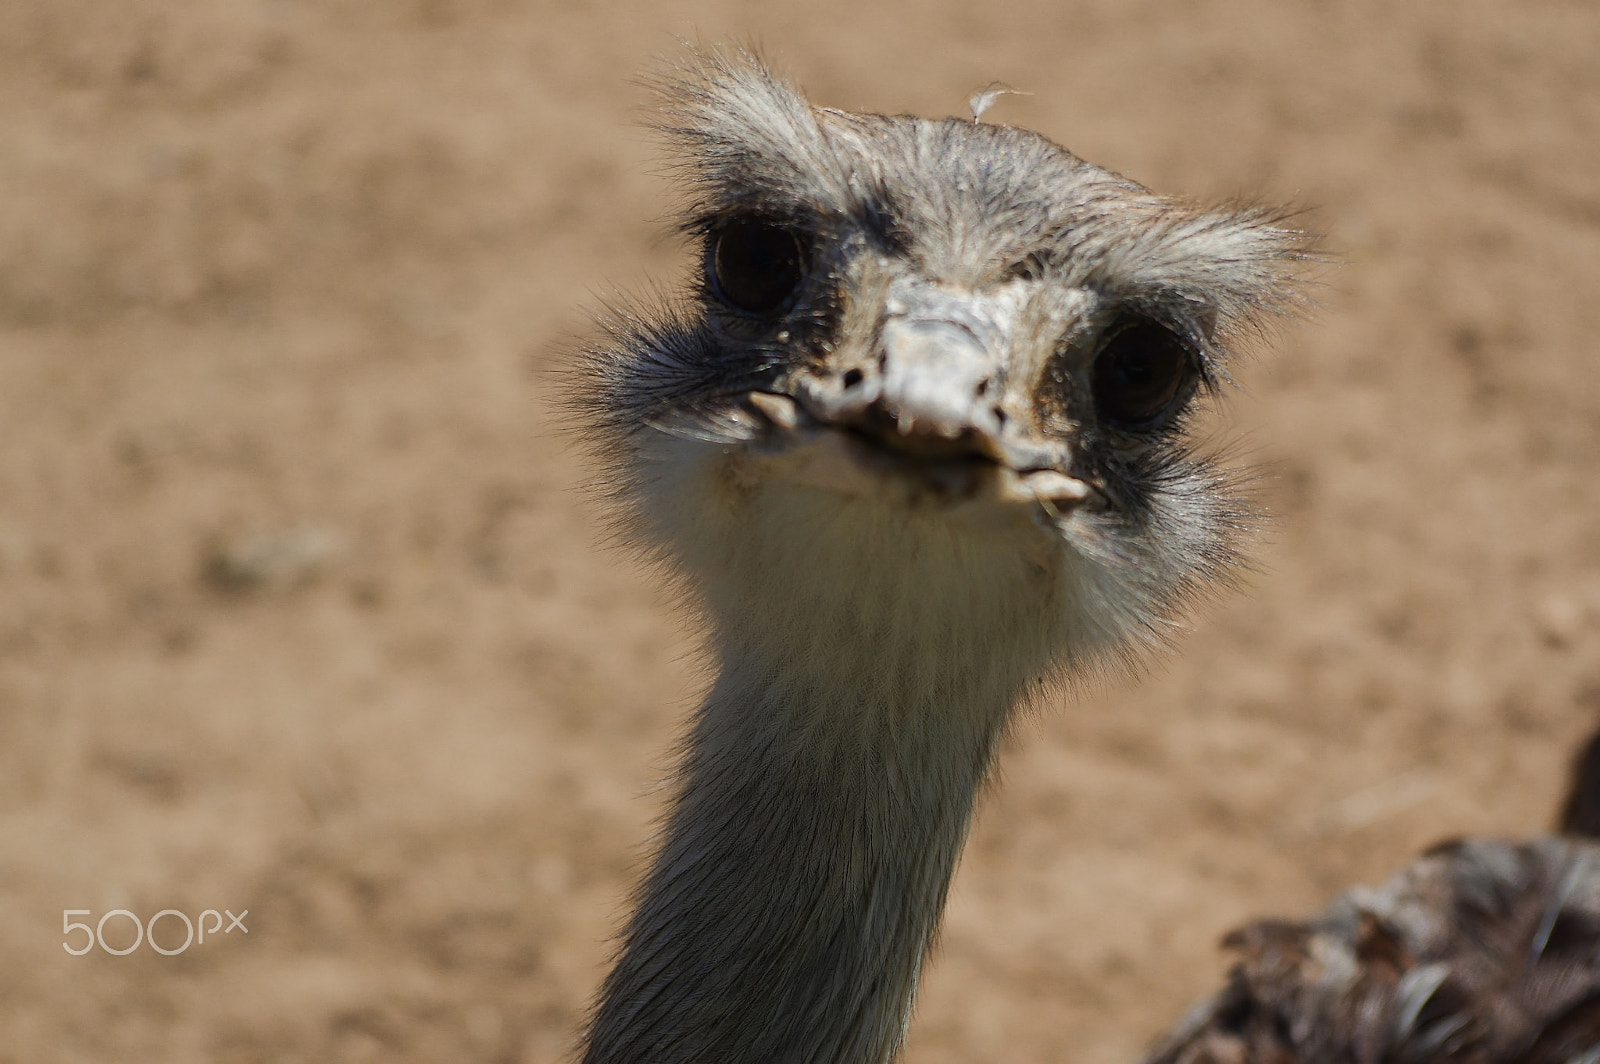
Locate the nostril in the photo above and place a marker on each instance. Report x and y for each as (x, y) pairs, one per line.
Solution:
(852, 378)
(983, 386)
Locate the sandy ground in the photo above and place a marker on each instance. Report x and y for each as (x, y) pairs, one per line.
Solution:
(303, 609)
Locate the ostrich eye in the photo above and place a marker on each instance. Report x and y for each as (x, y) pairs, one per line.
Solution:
(1139, 372)
(756, 265)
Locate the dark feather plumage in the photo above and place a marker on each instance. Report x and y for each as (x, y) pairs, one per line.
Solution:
(1483, 951)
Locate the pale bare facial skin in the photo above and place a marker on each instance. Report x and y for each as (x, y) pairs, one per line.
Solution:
(917, 441)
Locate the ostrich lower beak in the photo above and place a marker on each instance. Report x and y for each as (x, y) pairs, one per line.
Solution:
(843, 458)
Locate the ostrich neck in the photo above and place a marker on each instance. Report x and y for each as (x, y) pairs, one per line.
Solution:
(825, 796)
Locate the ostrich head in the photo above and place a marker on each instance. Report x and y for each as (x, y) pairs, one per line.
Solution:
(930, 364)
(917, 436)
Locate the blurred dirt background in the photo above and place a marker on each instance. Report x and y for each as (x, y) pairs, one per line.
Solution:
(302, 608)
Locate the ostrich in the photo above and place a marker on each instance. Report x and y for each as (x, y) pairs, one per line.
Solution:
(916, 442)
(1483, 951)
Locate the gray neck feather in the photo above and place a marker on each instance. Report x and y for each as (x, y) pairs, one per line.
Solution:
(804, 865)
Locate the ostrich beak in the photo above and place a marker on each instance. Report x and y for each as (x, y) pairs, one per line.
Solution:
(933, 387)
(936, 375)
(923, 422)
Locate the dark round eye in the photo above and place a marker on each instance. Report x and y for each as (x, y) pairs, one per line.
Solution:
(757, 265)
(1139, 372)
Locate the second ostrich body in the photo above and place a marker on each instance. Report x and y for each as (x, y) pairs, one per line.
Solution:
(1483, 951)
(917, 442)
